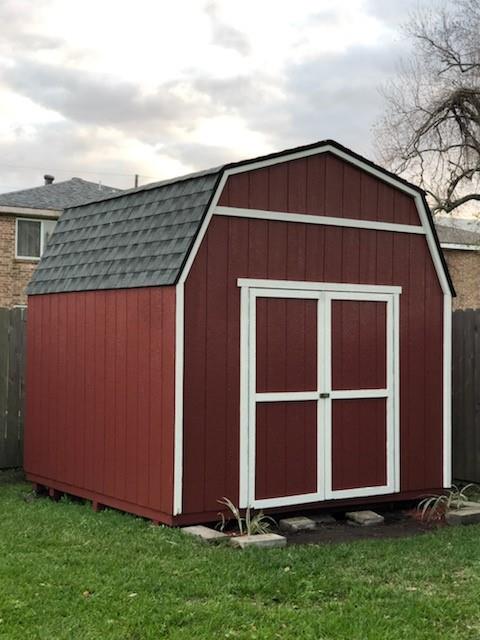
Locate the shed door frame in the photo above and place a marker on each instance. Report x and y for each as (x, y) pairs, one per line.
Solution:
(325, 293)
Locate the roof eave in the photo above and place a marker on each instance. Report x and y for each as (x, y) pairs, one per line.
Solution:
(31, 212)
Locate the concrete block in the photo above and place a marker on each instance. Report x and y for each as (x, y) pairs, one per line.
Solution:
(468, 515)
(364, 518)
(205, 533)
(294, 525)
(471, 503)
(264, 541)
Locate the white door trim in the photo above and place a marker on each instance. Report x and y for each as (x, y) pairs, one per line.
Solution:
(306, 285)
(325, 293)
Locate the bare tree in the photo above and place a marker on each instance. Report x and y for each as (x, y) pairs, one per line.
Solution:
(431, 128)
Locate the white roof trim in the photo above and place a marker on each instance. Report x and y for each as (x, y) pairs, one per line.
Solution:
(460, 247)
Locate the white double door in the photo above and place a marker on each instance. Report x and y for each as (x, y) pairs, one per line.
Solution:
(319, 392)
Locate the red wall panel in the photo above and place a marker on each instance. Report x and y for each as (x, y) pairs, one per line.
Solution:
(100, 400)
(280, 250)
(321, 185)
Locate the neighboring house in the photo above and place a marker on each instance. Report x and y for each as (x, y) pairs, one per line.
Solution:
(275, 331)
(461, 248)
(27, 219)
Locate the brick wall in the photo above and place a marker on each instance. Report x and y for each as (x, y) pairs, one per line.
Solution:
(464, 267)
(14, 274)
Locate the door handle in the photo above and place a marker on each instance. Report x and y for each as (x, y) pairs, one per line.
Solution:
(324, 395)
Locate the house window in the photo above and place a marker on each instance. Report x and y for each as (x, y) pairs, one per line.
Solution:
(32, 237)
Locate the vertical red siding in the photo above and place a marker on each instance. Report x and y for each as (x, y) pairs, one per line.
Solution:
(279, 250)
(321, 185)
(100, 401)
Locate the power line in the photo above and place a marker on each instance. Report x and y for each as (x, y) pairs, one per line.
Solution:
(73, 171)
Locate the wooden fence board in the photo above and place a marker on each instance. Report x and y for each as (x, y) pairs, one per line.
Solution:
(12, 359)
(466, 395)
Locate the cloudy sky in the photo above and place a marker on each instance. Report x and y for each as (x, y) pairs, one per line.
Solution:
(104, 89)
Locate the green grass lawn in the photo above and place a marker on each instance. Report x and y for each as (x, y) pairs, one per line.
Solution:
(66, 572)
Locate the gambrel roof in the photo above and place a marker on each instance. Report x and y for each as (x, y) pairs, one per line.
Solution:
(143, 237)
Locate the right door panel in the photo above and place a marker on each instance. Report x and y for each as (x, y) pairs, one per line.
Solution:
(360, 427)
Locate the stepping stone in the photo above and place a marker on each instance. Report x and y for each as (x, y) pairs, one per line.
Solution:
(205, 533)
(264, 541)
(467, 515)
(323, 519)
(294, 525)
(364, 518)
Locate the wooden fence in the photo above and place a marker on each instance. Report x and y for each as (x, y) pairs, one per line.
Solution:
(12, 366)
(466, 395)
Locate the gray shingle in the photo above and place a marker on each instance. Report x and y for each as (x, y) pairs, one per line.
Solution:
(139, 238)
(58, 195)
(457, 235)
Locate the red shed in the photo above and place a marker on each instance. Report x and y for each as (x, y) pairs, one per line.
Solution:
(276, 331)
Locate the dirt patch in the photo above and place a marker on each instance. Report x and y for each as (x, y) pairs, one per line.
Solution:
(398, 524)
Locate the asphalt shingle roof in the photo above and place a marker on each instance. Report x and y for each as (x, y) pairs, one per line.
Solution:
(455, 235)
(58, 195)
(138, 239)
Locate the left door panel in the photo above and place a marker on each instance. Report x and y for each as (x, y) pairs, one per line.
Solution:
(284, 384)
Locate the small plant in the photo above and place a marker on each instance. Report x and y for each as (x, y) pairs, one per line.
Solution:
(433, 507)
(251, 524)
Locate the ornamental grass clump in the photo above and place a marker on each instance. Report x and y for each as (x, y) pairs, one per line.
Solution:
(251, 525)
(435, 507)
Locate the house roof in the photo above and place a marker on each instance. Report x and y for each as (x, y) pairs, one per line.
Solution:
(58, 195)
(143, 237)
(451, 235)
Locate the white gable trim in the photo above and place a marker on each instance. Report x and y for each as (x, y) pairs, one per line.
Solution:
(330, 221)
(434, 252)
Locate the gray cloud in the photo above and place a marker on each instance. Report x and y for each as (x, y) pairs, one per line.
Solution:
(201, 156)
(223, 34)
(397, 13)
(18, 32)
(236, 93)
(90, 98)
(337, 96)
(66, 150)
(327, 96)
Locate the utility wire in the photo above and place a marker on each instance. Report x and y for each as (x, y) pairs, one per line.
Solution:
(73, 171)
